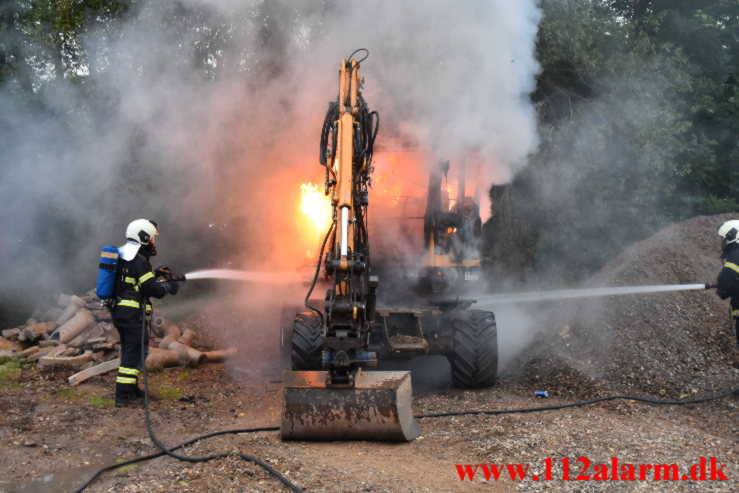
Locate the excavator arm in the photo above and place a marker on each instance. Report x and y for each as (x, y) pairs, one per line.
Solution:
(340, 401)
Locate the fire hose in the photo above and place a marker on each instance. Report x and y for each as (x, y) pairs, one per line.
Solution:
(171, 451)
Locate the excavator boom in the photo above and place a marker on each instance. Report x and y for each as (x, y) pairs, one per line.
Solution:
(330, 396)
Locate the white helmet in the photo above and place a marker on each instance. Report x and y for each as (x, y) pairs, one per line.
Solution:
(142, 231)
(729, 232)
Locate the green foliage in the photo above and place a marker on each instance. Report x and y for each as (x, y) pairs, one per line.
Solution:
(638, 104)
(57, 25)
(638, 114)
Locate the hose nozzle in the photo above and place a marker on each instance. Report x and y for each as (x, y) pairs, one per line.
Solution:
(711, 285)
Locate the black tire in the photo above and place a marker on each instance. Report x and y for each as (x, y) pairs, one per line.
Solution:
(307, 344)
(474, 356)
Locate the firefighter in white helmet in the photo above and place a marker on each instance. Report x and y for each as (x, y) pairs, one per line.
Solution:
(727, 285)
(136, 282)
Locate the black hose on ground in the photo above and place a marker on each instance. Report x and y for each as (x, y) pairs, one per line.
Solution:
(177, 447)
(170, 452)
(430, 415)
(580, 404)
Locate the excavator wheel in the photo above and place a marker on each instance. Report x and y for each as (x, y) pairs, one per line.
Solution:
(474, 356)
(307, 342)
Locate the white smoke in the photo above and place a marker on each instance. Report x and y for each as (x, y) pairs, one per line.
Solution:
(202, 114)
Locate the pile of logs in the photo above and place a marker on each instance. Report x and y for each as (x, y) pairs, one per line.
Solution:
(79, 333)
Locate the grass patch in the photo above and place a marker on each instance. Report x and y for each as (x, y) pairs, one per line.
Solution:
(98, 400)
(167, 391)
(126, 468)
(69, 394)
(154, 370)
(10, 370)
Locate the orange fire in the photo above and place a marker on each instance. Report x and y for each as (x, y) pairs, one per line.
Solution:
(315, 206)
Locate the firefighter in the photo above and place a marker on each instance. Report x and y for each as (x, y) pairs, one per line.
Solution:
(727, 285)
(136, 282)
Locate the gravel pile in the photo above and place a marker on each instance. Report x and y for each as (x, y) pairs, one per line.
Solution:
(667, 344)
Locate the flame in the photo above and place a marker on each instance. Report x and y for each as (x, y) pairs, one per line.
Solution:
(315, 206)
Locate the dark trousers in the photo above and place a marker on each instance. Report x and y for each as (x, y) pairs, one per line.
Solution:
(130, 327)
(130, 331)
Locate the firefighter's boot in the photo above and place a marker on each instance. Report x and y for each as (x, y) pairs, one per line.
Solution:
(125, 395)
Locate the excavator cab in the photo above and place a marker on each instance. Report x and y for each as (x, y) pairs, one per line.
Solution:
(452, 230)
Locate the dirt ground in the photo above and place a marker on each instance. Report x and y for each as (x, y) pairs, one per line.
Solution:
(675, 347)
(53, 437)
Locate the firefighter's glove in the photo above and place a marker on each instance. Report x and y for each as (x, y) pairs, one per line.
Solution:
(172, 287)
(163, 271)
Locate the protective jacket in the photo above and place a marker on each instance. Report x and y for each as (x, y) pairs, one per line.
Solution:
(135, 284)
(728, 278)
(728, 282)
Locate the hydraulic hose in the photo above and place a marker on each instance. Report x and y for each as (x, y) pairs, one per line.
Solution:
(318, 271)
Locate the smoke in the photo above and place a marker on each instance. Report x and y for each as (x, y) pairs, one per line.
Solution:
(204, 116)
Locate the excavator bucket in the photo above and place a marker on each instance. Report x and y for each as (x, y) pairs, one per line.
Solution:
(378, 407)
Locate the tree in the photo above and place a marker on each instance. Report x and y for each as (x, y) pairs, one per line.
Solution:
(637, 104)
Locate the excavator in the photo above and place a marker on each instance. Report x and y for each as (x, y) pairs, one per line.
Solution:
(331, 394)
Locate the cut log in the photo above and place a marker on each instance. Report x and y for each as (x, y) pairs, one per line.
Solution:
(72, 351)
(163, 358)
(101, 314)
(173, 333)
(82, 320)
(75, 303)
(93, 304)
(48, 343)
(40, 353)
(160, 326)
(96, 340)
(12, 333)
(188, 356)
(36, 331)
(104, 346)
(56, 351)
(187, 337)
(111, 333)
(93, 332)
(7, 345)
(70, 360)
(29, 351)
(219, 356)
(66, 314)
